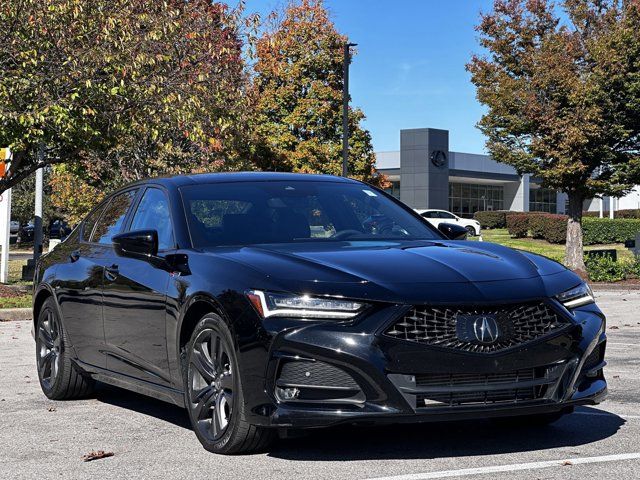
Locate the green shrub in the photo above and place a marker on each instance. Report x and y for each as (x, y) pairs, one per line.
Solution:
(537, 224)
(605, 269)
(518, 224)
(555, 228)
(492, 219)
(605, 230)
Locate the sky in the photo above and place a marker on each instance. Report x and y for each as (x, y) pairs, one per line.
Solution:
(409, 71)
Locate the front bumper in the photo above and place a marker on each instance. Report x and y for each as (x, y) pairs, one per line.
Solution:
(376, 379)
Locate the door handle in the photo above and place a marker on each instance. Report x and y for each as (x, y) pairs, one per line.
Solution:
(111, 273)
(74, 256)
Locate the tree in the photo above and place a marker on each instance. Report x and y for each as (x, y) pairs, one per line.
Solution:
(298, 91)
(23, 200)
(73, 197)
(119, 89)
(563, 97)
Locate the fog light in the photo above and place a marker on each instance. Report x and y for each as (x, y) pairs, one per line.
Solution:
(287, 393)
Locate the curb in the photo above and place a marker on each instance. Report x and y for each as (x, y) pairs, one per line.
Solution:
(15, 314)
(614, 287)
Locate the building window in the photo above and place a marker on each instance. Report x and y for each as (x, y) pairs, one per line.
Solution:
(543, 200)
(394, 189)
(465, 198)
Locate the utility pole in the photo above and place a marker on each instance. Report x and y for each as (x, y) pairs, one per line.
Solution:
(37, 222)
(345, 107)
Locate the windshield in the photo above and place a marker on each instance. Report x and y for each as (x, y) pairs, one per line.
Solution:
(300, 211)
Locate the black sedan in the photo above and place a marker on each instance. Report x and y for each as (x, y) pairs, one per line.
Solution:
(267, 302)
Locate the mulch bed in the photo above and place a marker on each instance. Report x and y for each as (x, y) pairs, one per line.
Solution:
(7, 291)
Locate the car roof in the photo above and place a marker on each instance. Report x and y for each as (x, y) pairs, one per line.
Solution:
(226, 177)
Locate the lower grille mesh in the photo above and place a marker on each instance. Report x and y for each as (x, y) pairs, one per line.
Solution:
(475, 398)
(449, 389)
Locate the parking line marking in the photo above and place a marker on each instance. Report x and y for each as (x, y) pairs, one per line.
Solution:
(606, 414)
(625, 344)
(512, 468)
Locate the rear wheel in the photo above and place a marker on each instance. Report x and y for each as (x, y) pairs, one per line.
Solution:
(213, 392)
(59, 377)
(471, 230)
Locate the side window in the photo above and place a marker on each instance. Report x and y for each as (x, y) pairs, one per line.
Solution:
(429, 215)
(446, 215)
(153, 213)
(110, 222)
(90, 222)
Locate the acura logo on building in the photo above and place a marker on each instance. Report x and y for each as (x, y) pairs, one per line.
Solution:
(485, 329)
(439, 158)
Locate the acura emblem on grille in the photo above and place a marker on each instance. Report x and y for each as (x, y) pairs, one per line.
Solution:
(486, 329)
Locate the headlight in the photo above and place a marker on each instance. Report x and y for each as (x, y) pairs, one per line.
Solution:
(303, 306)
(577, 296)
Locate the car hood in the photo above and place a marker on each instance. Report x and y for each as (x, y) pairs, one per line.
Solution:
(394, 270)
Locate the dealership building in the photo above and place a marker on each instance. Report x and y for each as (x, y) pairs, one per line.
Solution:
(426, 174)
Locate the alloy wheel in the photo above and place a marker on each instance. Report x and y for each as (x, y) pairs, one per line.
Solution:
(210, 385)
(49, 349)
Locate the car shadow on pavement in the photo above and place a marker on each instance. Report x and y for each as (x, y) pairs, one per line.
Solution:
(406, 441)
(428, 441)
(119, 397)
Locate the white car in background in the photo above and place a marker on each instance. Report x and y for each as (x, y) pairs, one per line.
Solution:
(436, 217)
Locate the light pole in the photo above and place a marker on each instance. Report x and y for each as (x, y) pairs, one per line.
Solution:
(345, 107)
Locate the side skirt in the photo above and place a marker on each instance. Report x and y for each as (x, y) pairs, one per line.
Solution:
(160, 392)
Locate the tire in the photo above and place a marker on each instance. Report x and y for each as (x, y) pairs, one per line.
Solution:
(59, 377)
(213, 392)
(471, 230)
(531, 421)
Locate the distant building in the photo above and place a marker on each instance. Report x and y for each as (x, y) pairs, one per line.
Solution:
(426, 174)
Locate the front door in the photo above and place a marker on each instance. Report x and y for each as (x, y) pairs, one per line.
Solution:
(134, 297)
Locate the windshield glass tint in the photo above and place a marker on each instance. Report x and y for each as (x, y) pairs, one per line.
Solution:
(284, 212)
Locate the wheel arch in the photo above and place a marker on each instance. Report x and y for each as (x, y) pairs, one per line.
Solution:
(197, 307)
(42, 293)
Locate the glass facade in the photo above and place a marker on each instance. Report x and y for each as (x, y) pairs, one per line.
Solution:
(543, 200)
(394, 189)
(465, 198)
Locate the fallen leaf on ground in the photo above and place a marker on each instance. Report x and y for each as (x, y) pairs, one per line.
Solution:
(614, 327)
(566, 463)
(616, 376)
(52, 409)
(96, 455)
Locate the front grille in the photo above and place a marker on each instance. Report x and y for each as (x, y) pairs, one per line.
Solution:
(472, 388)
(454, 379)
(454, 399)
(437, 326)
(438, 390)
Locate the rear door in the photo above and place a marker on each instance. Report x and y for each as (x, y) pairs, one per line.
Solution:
(135, 298)
(79, 291)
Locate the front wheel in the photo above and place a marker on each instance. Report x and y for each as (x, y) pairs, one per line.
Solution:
(471, 230)
(213, 392)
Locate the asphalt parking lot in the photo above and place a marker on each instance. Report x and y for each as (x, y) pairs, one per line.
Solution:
(40, 438)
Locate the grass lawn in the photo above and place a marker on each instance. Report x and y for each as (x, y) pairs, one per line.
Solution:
(542, 247)
(22, 301)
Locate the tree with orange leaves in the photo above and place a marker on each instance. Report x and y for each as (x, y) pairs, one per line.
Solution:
(298, 90)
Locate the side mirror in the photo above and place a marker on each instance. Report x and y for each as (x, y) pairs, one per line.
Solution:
(453, 231)
(141, 244)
